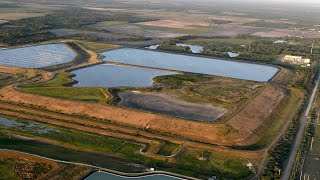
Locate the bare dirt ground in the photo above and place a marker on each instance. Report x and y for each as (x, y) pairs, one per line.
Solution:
(164, 104)
(253, 117)
(171, 23)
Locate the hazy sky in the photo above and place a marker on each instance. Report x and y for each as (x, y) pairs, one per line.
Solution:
(265, 1)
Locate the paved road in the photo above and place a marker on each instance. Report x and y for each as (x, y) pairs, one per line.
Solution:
(287, 172)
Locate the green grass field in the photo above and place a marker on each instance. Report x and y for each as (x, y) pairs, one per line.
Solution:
(56, 87)
(70, 93)
(168, 148)
(221, 165)
(97, 46)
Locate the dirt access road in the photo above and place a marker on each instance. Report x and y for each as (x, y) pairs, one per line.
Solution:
(287, 172)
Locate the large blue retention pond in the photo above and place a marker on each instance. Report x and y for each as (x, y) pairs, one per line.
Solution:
(193, 64)
(36, 56)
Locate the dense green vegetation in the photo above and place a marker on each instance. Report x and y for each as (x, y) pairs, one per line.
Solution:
(250, 48)
(105, 151)
(219, 164)
(21, 32)
(168, 148)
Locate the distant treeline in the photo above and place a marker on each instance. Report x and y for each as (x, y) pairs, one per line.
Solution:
(35, 29)
(260, 49)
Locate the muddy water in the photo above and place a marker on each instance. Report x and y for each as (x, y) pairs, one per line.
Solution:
(210, 66)
(163, 104)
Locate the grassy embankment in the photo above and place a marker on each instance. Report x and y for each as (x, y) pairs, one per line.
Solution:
(73, 145)
(57, 87)
(284, 113)
(167, 148)
(97, 46)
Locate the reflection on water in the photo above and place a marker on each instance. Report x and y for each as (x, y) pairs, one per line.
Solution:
(108, 75)
(211, 66)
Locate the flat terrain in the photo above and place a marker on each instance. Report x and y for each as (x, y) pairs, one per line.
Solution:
(163, 104)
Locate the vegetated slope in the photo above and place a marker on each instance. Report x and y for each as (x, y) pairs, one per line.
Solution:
(19, 166)
(210, 133)
(253, 116)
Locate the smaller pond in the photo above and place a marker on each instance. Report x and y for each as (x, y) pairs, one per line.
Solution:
(105, 176)
(232, 54)
(153, 47)
(108, 75)
(194, 48)
(9, 123)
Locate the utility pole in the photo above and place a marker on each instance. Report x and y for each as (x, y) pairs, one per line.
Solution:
(312, 48)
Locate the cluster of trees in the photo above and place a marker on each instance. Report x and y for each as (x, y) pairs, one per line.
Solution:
(35, 29)
(171, 45)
